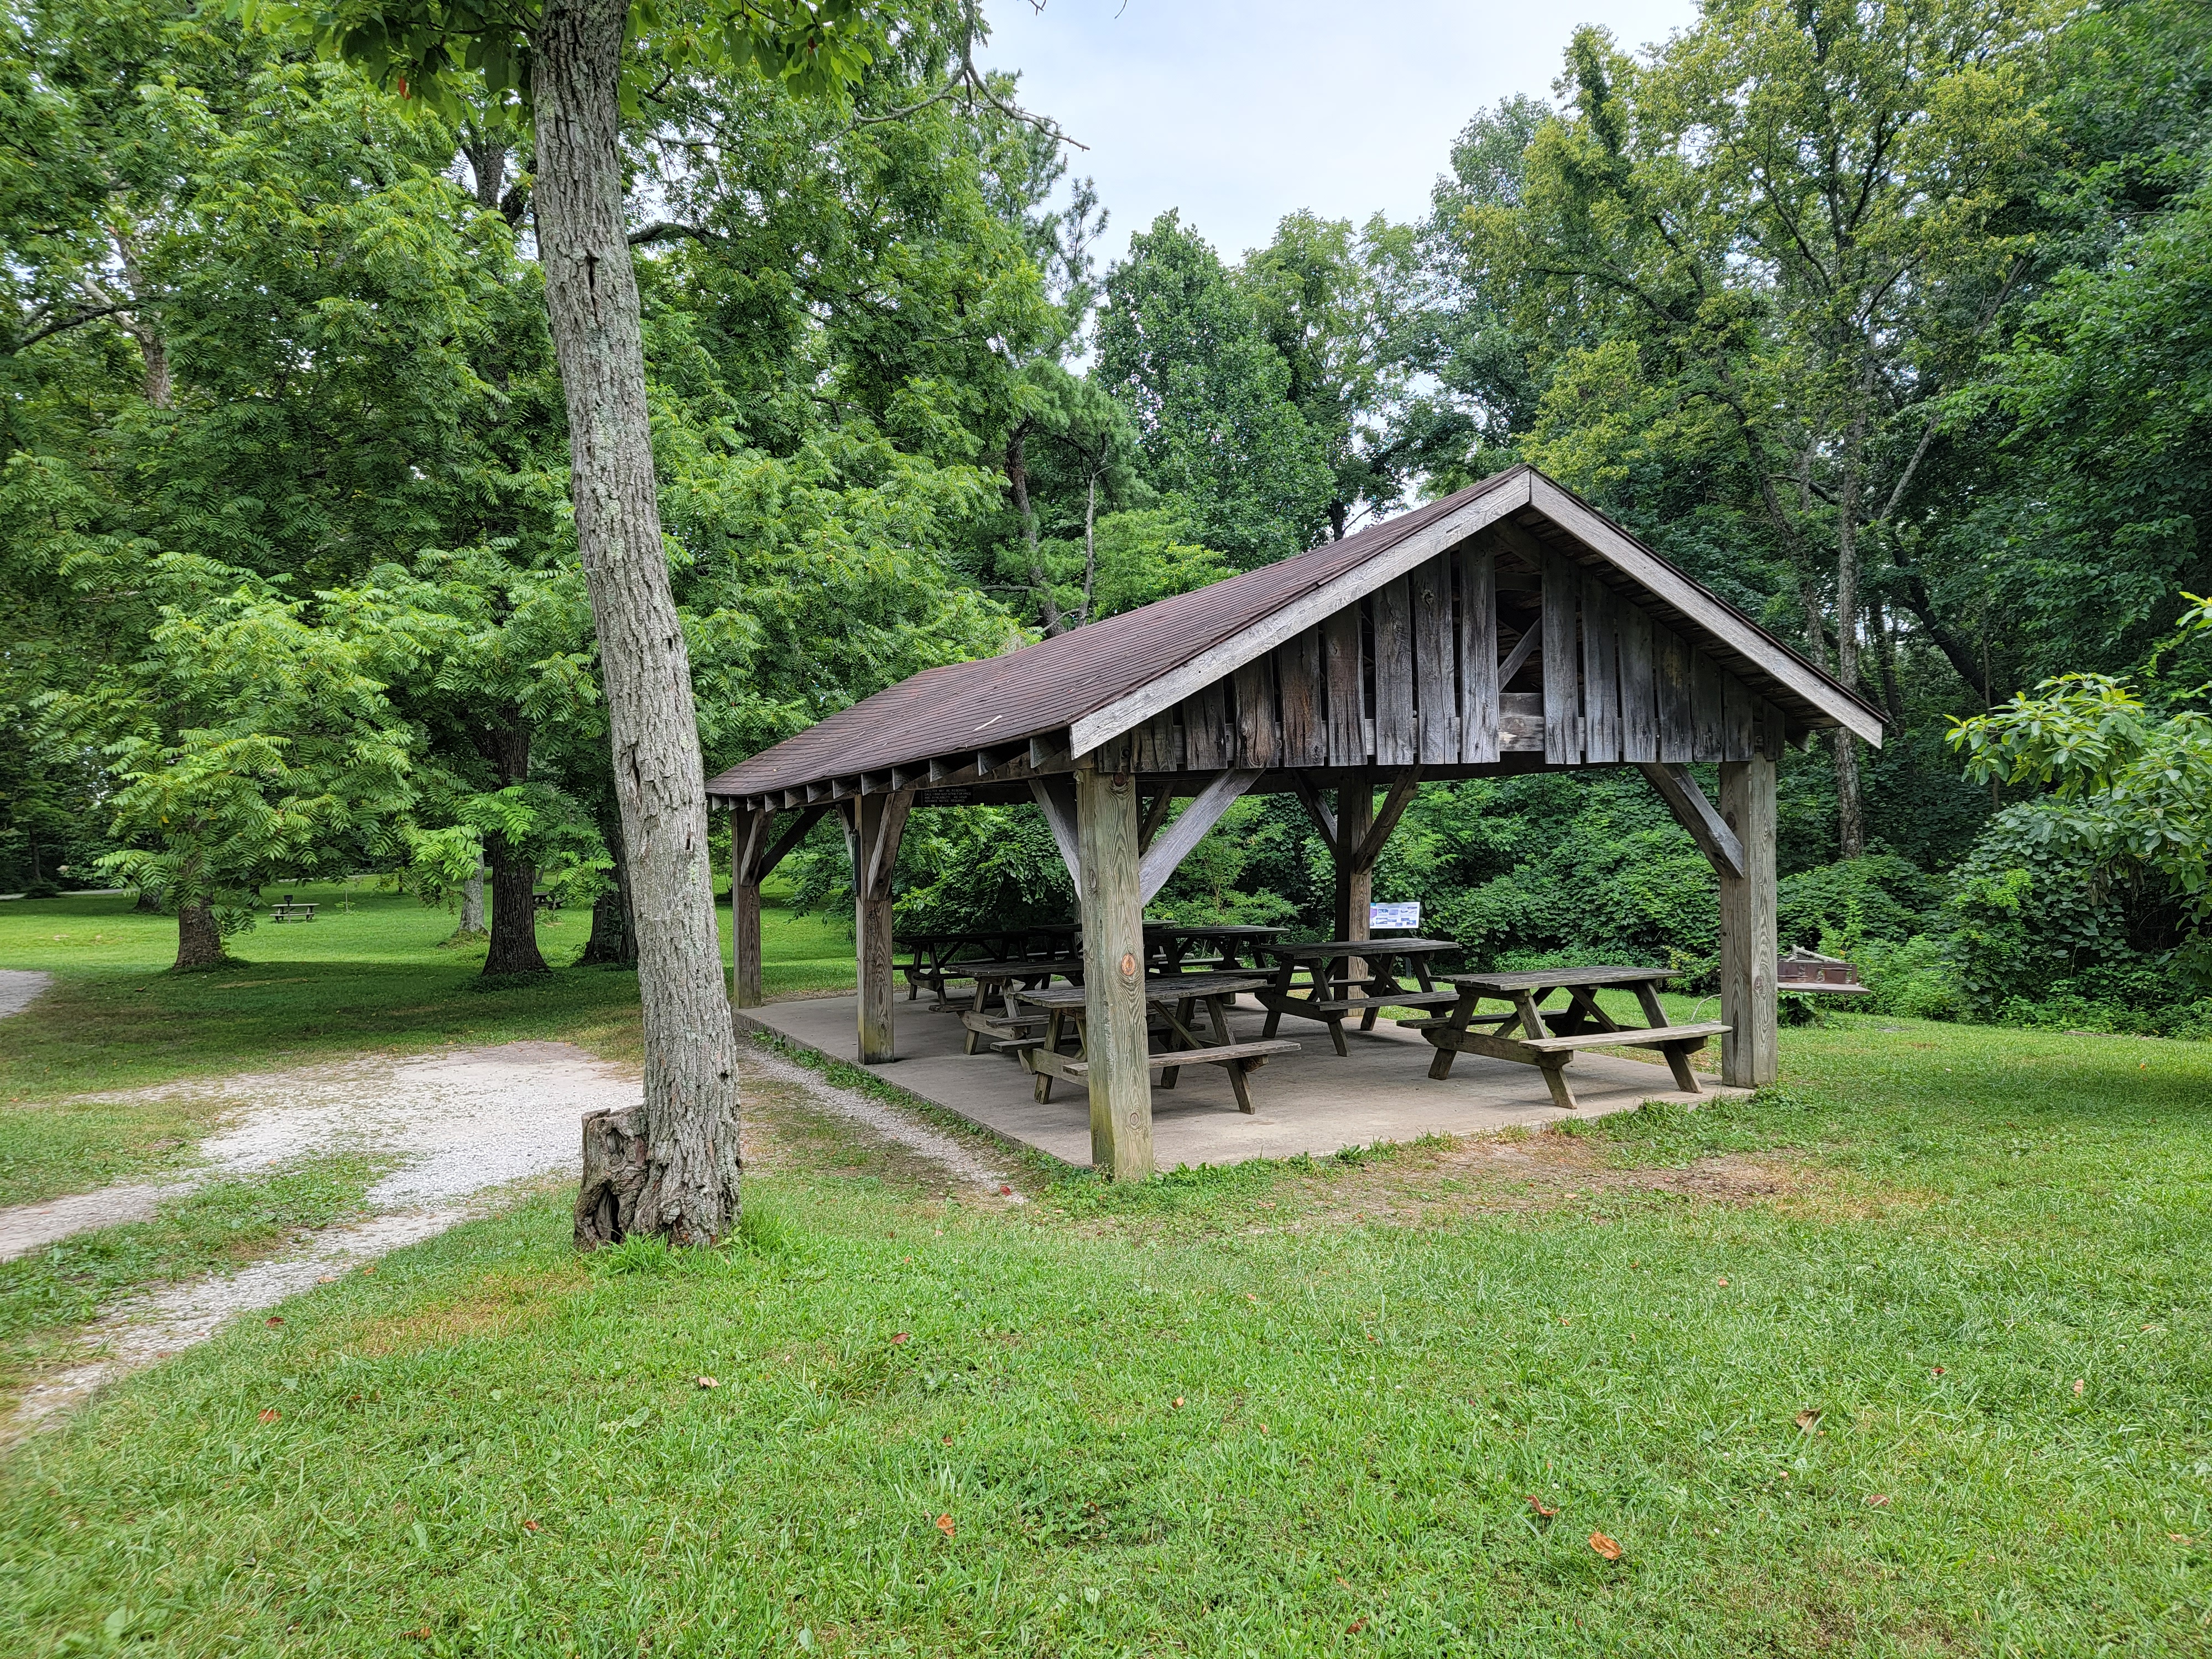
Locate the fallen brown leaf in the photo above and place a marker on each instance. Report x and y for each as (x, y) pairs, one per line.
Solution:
(1875, 1500)
(530, 1526)
(1809, 1419)
(1541, 1508)
(707, 1383)
(944, 1525)
(1723, 1281)
(1178, 1402)
(278, 1319)
(1609, 1548)
(2077, 1388)
(898, 1337)
(270, 1413)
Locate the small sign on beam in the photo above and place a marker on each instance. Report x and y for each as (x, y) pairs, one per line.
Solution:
(1396, 917)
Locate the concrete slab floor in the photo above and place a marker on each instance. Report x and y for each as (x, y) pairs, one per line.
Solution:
(1312, 1102)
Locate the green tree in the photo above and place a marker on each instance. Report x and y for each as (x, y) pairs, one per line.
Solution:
(277, 755)
(1337, 305)
(1179, 344)
(1745, 253)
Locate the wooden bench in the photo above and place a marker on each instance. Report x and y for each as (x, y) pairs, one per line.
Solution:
(1171, 999)
(289, 911)
(1581, 1025)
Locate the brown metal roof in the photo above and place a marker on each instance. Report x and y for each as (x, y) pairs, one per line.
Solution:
(1042, 688)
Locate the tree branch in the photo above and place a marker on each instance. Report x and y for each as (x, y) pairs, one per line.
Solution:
(667, 230)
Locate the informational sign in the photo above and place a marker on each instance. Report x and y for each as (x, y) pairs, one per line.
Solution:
(1396, 917)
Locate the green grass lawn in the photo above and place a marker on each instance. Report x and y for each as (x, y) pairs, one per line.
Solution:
(1377, 1404)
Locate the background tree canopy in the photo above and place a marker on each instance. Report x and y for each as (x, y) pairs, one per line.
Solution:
(1893, 325)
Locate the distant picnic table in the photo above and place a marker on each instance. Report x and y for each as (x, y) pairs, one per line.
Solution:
(1548, 1042)
(286, 910)
(1173, 998)
(1329, 990)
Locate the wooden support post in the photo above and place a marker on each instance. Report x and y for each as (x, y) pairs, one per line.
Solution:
(1749, 1054)
(1114, 966)
(748, 834)
(878, 822)
(1355, 881)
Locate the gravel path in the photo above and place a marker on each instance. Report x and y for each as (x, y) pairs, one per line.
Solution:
(20, 988)
(465, 1122)
(968, 1166)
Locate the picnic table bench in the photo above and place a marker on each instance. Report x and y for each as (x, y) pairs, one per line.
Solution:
(1174, 998)
(286, 910)
(998, 981)
(932, 958)
(1326, 993)
(544, 903)
(1548, 1044)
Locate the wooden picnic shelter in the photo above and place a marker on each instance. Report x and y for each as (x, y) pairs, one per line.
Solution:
(1507, 628)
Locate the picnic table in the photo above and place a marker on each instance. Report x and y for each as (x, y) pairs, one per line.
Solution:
(1549, 1042)
(932, 958)
(1168, 944)
(544, 904)
(998, 982)
(1327, 992)
(1174, 998)
(286, 910)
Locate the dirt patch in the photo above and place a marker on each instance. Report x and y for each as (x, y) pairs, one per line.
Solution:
(500, 1306)
(1532, 1172)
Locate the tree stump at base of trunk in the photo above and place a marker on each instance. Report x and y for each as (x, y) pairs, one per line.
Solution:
(616, 1169)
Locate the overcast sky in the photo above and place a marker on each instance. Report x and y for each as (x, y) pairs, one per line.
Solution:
(1239, 114)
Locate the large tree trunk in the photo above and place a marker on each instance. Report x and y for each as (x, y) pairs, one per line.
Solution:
(690, 1104)
(472, 901)
(514, 914)
(514, 878)
(613, 940)
(199, 941)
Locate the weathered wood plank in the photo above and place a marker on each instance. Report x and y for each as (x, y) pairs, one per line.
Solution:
(1174, 843)
(1738, 708)
(1298, 682)
(1639, 690)
(1520, 721)
(1506, 495)
(1773, 732)
(879, 821)
(1434, 673)
(1207, 737)
(1697, 815)
(1395, 744)
(1706, 705)
(1678, 735)
(1749, 1052)
(1347, 713)
(1600, 672)
(1259, 734)
(1478, 654)
(1735, 631)
(1562, 670)
(1115, 1047)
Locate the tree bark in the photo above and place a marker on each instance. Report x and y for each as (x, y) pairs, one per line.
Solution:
(199, 941)
(514, 878)
(613, 940)
(472, 901)
(616, 1168)
(690, 1105)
